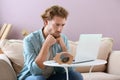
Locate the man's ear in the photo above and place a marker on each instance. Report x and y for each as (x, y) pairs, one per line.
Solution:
(45, 22)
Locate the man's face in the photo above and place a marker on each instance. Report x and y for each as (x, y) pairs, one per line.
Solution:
(55, 26)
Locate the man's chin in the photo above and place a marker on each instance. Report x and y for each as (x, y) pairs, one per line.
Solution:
(56, 36)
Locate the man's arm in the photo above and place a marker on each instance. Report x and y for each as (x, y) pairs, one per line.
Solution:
(50, 40)
(62, 44)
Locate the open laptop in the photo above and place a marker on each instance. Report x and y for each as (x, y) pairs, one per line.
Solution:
(87, 48)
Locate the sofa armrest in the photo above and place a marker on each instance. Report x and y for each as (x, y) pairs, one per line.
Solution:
(6, 69)
(114, 63)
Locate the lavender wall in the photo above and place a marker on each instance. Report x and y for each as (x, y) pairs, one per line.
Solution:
(86, 16)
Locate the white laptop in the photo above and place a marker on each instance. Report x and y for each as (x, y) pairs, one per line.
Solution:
(87, 48)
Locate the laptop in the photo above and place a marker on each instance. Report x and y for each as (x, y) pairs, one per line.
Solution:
(87, 48)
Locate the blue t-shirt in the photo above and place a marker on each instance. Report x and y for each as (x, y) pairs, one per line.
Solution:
(32, 45)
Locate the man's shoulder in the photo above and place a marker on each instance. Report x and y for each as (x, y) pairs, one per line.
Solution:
(64, 36)
(33, 35)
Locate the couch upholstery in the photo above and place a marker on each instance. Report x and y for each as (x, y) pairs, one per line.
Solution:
(11, 62)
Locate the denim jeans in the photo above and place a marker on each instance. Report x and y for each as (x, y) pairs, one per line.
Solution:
(60, 76)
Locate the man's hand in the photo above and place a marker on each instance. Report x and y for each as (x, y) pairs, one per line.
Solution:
(59, 40)
(50, 40)
(62, 44)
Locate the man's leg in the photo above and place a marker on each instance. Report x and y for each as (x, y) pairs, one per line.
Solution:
(58, 76)
(72, 76)
(35, 78)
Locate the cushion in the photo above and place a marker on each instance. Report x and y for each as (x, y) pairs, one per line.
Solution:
(100, 76)
(14, 51)
(114, 64)
(104, 51)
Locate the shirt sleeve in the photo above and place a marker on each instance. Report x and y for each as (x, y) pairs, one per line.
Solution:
(29, 57)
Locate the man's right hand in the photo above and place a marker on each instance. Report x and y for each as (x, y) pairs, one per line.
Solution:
(50, 40)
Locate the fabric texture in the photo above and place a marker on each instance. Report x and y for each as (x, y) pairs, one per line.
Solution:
(114, 64)
(6, 70)
(100, 76)
(14, 49)
(61, 76)
(35, 78)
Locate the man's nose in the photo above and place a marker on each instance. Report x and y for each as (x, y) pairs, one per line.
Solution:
(60, 28)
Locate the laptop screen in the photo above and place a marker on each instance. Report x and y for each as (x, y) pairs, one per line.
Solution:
(88, 47)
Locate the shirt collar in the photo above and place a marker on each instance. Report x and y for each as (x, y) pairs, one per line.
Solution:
(41, 35)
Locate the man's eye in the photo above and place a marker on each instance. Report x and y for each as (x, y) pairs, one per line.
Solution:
(63, 24)
(57, 24)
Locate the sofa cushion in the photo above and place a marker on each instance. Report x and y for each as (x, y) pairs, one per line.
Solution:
(6, 69)
(100, 76)
(14, 50)
(114, 64)
(104, 50)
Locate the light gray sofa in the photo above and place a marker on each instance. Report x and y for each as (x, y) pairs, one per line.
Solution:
(11, 61)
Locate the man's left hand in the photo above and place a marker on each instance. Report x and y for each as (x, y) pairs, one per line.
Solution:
(61, 43)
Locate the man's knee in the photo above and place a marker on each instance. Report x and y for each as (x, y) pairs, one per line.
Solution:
(75, 75)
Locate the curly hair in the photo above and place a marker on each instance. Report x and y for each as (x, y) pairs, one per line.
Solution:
(54, 11)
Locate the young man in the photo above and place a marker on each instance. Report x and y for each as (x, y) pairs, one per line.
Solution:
(43, 45)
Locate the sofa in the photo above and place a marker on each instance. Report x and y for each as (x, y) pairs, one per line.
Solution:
(12, 60)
